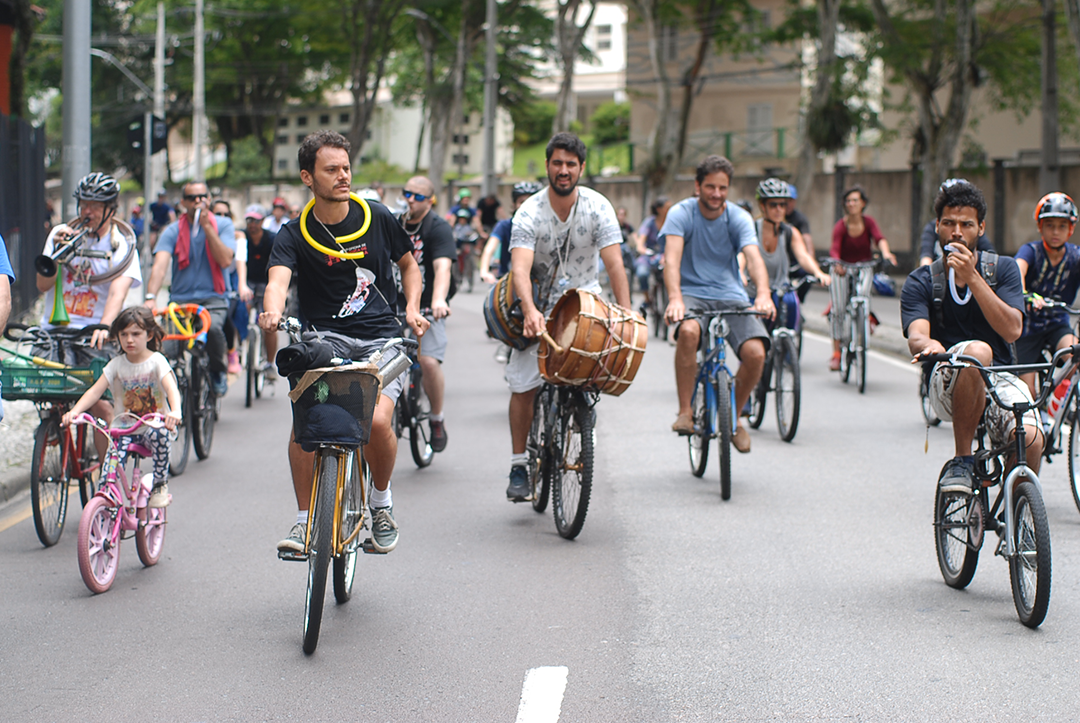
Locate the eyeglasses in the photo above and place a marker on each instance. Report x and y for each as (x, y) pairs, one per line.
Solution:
(195, 196)
(412, 196)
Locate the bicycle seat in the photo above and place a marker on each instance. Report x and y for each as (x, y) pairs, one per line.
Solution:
(140, 450)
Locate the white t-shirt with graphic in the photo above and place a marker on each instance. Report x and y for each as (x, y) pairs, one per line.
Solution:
(85, 303)
(136, 388)
(566, 252)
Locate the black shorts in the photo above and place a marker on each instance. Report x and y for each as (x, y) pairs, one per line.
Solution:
(1029, 347)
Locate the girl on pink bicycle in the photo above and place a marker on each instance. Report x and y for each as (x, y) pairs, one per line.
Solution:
(141, 383)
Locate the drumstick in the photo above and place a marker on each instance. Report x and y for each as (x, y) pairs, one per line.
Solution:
(551, 342)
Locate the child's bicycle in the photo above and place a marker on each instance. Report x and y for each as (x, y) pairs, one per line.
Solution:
(61, 456)
(1017, 514)
(118, 509)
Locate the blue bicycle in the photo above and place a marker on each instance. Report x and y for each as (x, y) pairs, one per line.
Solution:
(714, 396)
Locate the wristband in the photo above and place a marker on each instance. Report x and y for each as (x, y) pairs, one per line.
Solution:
(151, 297)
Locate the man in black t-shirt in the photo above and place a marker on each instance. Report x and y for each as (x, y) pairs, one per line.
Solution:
(260, 242)
(435, 251)
(972, 318)
(353, 298)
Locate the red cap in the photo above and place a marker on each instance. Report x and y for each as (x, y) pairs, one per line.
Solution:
(279, 201)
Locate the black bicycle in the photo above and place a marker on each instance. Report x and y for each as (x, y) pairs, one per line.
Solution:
(413, 409)
(187, 325)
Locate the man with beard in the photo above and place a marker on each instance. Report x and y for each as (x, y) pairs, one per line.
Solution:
(705, 235)
(434, 251)
(554, 242)
(347, 302)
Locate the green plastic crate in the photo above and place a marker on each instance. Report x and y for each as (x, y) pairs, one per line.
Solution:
(21, 380)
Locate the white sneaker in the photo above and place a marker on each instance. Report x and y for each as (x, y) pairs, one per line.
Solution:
(160, 496)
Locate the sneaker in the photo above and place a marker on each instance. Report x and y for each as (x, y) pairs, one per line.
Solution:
(502, 354)
(159, 496)
(220, 382)
(295, 541)
(834, 363)
(383, 529)
(234, 362)
(519, 489)
(741, 440)
(958, 476)
(438, 435)
(684, 424)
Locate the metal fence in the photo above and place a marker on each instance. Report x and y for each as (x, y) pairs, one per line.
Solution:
(23, 216)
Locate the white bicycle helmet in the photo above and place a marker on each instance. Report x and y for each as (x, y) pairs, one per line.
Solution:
(97, 186)
(1055, 205)
(772, 188)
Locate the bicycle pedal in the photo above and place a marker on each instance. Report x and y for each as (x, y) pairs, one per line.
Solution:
(292, 556)
(369, 547)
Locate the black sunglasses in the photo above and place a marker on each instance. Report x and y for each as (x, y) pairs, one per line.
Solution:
(196, 196)
(419, 197)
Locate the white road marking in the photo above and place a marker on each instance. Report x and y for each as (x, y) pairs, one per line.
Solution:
(906, 365)
(542, 694)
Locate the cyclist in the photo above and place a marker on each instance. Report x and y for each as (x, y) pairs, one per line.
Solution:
(557, 239)
(7, 278)
(346, 302)
(649, 244)
(200, 246)
(981, 323)
(852, 240)
(278, 215)
(260, 243)
(161, 215)
(704, 236)
(772, 195)
(798, 220)
(1049, 269)
(435, 252)
(500, 235)
(930, 246)
(239, 293)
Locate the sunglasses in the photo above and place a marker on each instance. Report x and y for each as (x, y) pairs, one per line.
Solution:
(776, 204)
(411, 196)
(195, 196)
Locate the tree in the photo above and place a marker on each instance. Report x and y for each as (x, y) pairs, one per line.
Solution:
(27, 16)
(568, 41)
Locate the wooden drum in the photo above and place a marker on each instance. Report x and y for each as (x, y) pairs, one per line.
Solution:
(596, 344)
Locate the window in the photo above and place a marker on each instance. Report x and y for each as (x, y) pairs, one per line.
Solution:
(603, 37)
(343, 118)
(301, 121)
(300, 137)
(461, 140)
(460, 159)
(671, 41)
(367, 135)
(283, 164)
(282, 122)
(465, 119)
(282, 139)
(324, 119)
(759, 130)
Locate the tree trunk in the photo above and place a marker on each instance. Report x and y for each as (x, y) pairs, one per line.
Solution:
(568, 38)
(708, 12)
(657, 167)
(377, 18)
(25, 22)
(828, 13)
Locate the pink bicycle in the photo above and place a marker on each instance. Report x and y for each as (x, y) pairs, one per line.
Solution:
(118, 507)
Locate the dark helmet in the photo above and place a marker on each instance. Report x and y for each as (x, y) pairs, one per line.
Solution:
(97, 187)
(772, 188)
(950, 182)
(1055, 205)
(525, 188)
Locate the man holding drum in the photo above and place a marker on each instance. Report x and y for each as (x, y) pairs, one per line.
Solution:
(554, 243)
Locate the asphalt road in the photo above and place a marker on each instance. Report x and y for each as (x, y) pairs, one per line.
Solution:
(813, 594)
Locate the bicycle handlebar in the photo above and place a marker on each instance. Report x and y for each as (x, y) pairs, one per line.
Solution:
(66, 333)
(1051, 304)
(851, 264)
(709, 313)
(174, 311)
(114, 432)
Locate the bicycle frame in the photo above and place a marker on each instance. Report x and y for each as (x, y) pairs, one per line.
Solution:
(713, 362)
(350, 456)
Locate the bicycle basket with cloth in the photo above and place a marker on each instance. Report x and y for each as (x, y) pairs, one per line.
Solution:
(334, 405)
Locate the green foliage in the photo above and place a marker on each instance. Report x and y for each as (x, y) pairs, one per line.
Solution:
(247, 162)
(611, 122)
(532, 122)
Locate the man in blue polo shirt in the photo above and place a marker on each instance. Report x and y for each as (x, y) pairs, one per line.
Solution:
(199, 246)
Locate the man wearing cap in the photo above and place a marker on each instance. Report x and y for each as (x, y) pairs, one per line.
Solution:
(260, 242)
(277, 217)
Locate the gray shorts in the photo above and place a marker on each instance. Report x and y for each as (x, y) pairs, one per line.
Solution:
(740, 328)
(433, 344)
(999, 422)
(357, 349)
(523, 370)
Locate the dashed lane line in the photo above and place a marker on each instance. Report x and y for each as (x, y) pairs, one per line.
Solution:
(542, 694)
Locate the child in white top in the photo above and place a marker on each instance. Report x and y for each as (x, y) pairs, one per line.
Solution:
(142, 382)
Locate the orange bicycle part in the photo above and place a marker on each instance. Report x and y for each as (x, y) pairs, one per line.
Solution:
(188, 312)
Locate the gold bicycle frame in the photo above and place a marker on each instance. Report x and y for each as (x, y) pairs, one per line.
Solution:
(350, 457)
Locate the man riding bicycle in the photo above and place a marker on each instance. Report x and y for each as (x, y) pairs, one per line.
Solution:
(556, 237)
(972, 318)
(705, 235)
(348, 303)
(1049, 269)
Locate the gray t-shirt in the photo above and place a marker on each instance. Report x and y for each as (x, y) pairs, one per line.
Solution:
(566, 252)
(776, 263)
(710, 264)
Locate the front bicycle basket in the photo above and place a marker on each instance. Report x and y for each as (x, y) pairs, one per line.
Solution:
(334, 405)
(37, 383)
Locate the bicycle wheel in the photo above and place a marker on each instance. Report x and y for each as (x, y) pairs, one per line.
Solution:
(862, 328)
(539, 455)
(88, 463)
(759, 395)
(958, 530)
(1029, 569)
(260, 363)
(322, 548)
(661, 306)
(351, 518)
(49, 482)
(724, 431)
(250, 368)
(698, 442)
(202, 416)
(846, 354)
(928, 414)
(99, 551)
(420, 411)
(180, 449)
(1074, 458)
(573, 469)
(788, 388)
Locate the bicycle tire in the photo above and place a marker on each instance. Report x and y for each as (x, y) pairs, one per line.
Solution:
(958, 531)
(249, 364)
(928, 414)
(150, 535)
(1074, 457)
(724, 423)
(788, 388)
(573, 469)
(353, 505)
(662, 303)
(49, 481)
(180, 449)
(322, 548)
(420, 412)
(260, 363)
(698, 442)
(1029, 568)
(760, 395)
(99, 553)
(845, 351)
(202, 417)
(88, 457)
(539, 455)
(863, 329)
